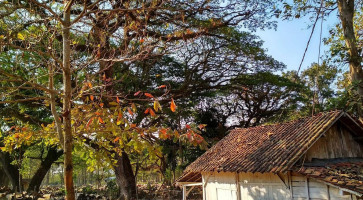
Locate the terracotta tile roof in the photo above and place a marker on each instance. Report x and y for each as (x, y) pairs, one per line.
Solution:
(347, 175)
(270, 148)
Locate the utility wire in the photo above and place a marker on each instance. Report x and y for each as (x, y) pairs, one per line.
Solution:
(317, 74)
(311, 35)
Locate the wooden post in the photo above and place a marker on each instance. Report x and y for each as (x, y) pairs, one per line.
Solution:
(307, 188)
(204, 185)
(289, 176)
(238, 187)
(328, 192)
(184, 193)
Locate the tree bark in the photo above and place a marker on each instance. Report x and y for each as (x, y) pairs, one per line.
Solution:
(346, 15)
(10, 170)
(4, 180)
(68, 140)
(125, 177)
(52, 156)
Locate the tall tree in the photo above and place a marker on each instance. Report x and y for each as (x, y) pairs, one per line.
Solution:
(346, 9)
(80, 42)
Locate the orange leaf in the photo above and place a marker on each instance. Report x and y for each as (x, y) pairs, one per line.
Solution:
(152, 113)
(91, 97)
(117, 100)
(162, 86)
(163, 131)
(187, 126)
(119, 115)
(147, 111)
(104, 77)
(142, 40)
(97, 113)
(201, 126)
(101, 104)
(100, 120)
(148, 95)
(133, 125)
(130, 111)
(29, 136)
(116, 139)
(137, 93)
(172, 105)
(89, 122)
(89, 84)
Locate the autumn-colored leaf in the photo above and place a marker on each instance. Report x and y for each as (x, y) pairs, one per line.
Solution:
(89, 84)
(201, 126)
(157, 106)
(92, 97)
(163, 131)
(176, 133)
(147, 111)
(133, 125)
(152, 113)
(148, 95)
(100, 120)
(116, 139)
(133, 106)
(117, 100)
(162, 86)
(130, 111)
(101, 104)
(137, 93)
(104, 77)
(29, 136)
(89, 122)
(97, 113)
(187, 126)
(172, 105)
(142, 40)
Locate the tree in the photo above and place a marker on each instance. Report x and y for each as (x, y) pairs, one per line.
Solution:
(346, 12)
(318, 80)
(79, 42)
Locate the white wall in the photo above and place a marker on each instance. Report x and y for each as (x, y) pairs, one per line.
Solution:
(263, 186)
(267, 186)
(223, 186)
(220, 186)
(317, 190)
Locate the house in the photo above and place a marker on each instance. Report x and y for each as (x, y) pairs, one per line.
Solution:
(318, 157)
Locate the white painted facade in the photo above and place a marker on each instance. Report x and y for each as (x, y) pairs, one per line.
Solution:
(267, 186)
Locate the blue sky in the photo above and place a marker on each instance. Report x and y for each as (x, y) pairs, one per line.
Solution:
(288, 42)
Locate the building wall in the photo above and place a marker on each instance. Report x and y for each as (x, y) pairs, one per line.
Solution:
(302, 188)
(223, 186)
(267, 186)
(338, 142)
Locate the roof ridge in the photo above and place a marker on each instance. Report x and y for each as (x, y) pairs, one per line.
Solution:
(292, 121)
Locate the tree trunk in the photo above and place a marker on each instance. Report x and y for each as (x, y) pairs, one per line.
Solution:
(36, 181)
(68, 140)
(125, 177)
(346, 15)
(4, 180)
(10, 170)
